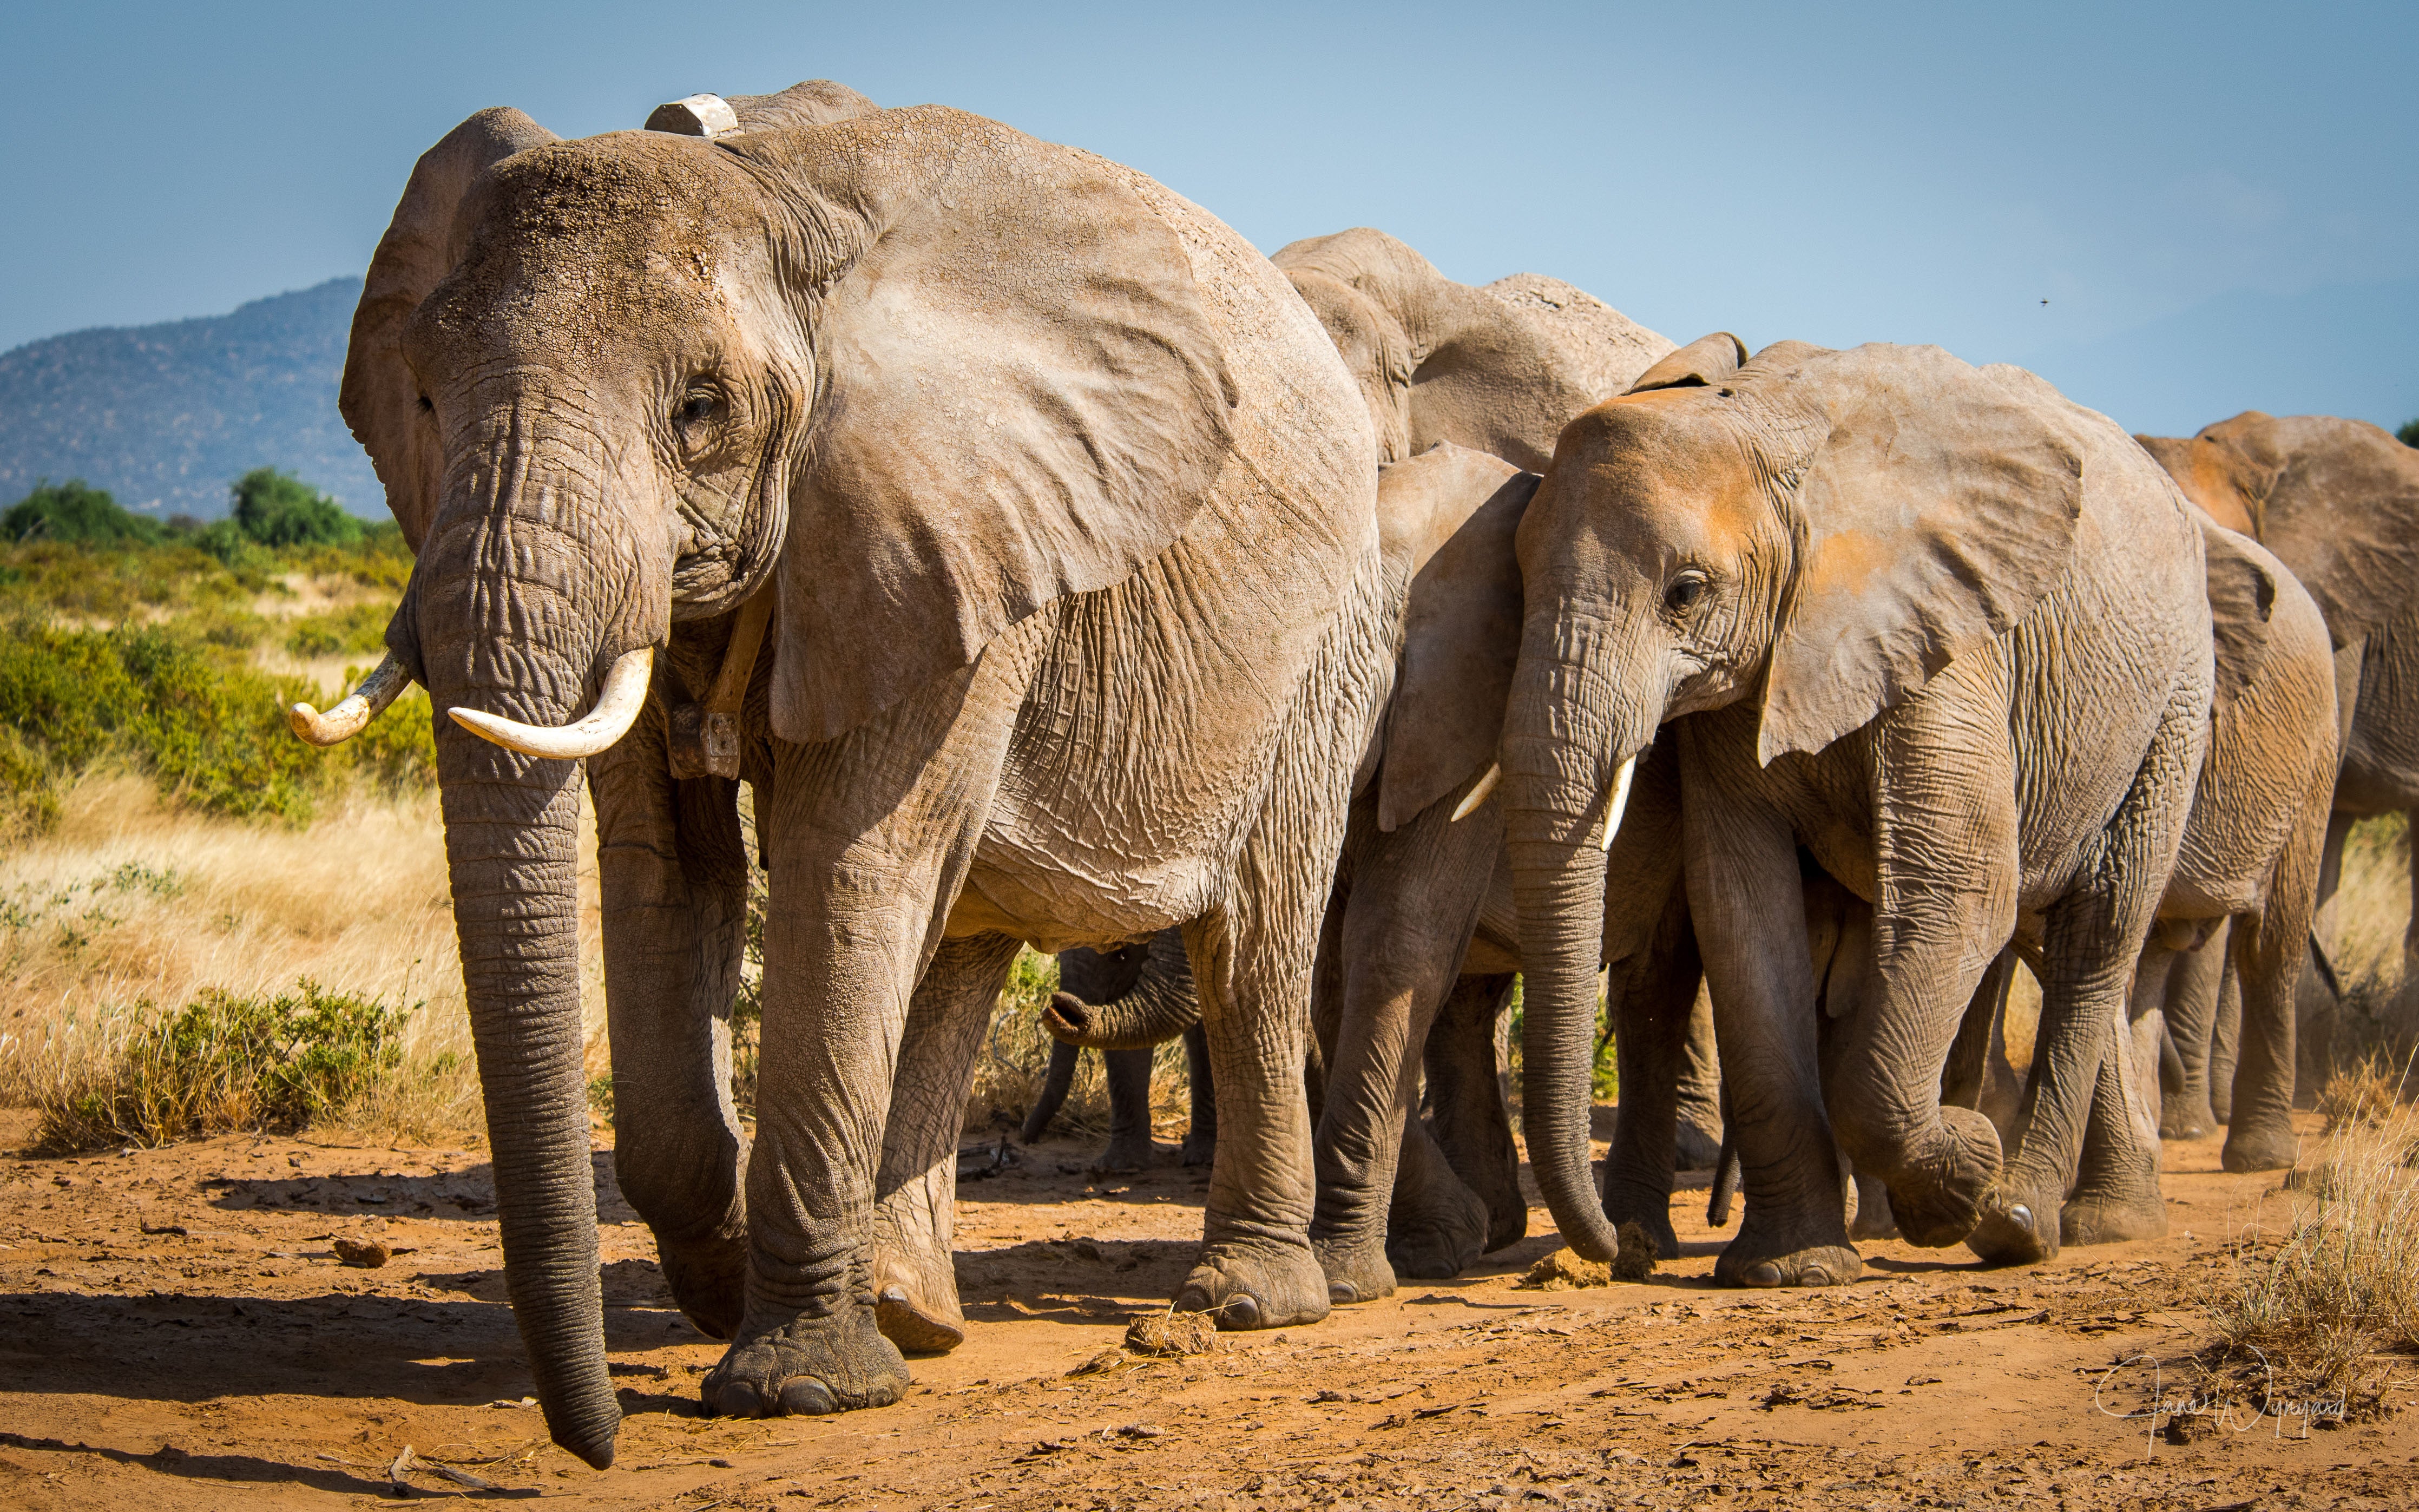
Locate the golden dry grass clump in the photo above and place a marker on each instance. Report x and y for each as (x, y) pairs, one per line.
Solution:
(2323, 1308)
(132, 908)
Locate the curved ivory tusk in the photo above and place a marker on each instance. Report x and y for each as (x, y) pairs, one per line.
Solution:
(617, 708)
(1470, 800)
(350, 715)
(1620, 800)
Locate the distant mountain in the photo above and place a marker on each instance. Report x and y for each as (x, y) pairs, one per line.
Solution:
(165, 417)
(2340, 349)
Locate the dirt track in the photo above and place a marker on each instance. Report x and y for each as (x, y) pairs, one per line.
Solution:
(175, 1331)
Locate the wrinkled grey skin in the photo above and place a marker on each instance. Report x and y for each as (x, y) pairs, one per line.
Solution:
(1151, 981)
(2337, 501)
(617, 387)
(1936, 634)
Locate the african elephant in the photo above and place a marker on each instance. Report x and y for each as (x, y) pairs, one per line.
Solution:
(1016, 442)
(1943, 640)
(2337, 501)
(1152, 982)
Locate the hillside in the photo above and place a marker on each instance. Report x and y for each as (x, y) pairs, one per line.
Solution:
(166, 416)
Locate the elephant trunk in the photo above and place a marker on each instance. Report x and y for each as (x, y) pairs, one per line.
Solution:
(521, 599)
(1566, 743)
(1159, 1005)
(511, 832)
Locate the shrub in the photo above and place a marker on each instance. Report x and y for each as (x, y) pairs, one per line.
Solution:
(2303, 1316)
(279, 509)
(223, 1063)
(359, 629)
(72, 511)
(2409, 434)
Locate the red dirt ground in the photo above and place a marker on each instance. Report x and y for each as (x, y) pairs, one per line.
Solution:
(176, 1332)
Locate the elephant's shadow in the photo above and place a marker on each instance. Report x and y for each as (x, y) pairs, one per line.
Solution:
(249, 1469)
(467, 1194)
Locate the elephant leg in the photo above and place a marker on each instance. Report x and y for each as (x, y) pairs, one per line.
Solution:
(1408, 917)
(914, 1204)
(1201, 1134)
(1748, 901)
(1053, 1096)
(2270, 951)
(2191, 1010)
(1698, 1144)
(1654, 1003)
(2226, 1039)
(2091, 941)
(2115, 1191)
(1129, 1076)
(875, 833)
(672, 872)
(1471, 1125)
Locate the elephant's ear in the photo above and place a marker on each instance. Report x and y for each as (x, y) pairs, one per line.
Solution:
(1701, 364)
(1938, 505)
(2342, 512)
(2226, 485)
(1022, 395)
(380, 398)
(1449, 517)
(1375, 350)
(2242, 602)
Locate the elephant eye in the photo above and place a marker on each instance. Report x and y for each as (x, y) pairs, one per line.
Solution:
(699, 406)
(426, 408)
(1685, 591)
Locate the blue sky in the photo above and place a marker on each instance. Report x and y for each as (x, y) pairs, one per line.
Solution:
(2220, 204)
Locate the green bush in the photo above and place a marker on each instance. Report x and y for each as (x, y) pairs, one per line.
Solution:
(279, 509)
(2409, 434)
(224, 1063)
(73, 511)
(359, 629)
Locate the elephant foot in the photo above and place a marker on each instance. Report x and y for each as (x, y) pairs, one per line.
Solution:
(1768, 1255)
(1126, 1154)
(1937, 1197)
(2186, 1118)
(1649, 1210)
(2088, 1220)
(1199, 1148)
(807, 1366)
(2016, 1228)
(2260, 1146)
(708, 1280)
(1873, 1218)
(1255, 1286)
(1355, 1273)
(1695, 1148)
(1436, 1227)
(916, 1326)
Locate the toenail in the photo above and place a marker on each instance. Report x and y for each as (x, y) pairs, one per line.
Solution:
(1815, 1275)
(737, 1398)
(1240, 1311)
(1762, 1273)
(2020, 1214)
(806, 1397)
(1192, 1299)
(1342, 1294)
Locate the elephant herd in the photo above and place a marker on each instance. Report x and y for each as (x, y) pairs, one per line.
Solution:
(1307, 645)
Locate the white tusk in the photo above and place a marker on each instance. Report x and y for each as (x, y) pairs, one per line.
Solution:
(1470, 800)
(617, 708)
(346, 719)
(1620, 800)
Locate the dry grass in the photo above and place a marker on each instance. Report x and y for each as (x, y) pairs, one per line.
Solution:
(2322, 1311)
(131, 901)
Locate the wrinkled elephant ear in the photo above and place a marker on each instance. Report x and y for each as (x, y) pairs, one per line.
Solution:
(1450, 516)
(2228, 487)
(1938, 505)
(1022, 395)
(380, 398)
(1374, 350)
(1701, 364)
(2241, 603)
(2342, 512)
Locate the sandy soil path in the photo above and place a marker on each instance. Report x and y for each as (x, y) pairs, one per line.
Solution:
(176, 1332)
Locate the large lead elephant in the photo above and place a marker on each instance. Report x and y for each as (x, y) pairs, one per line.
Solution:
(1943, 641)
(2337, 502)
(1007, 443)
